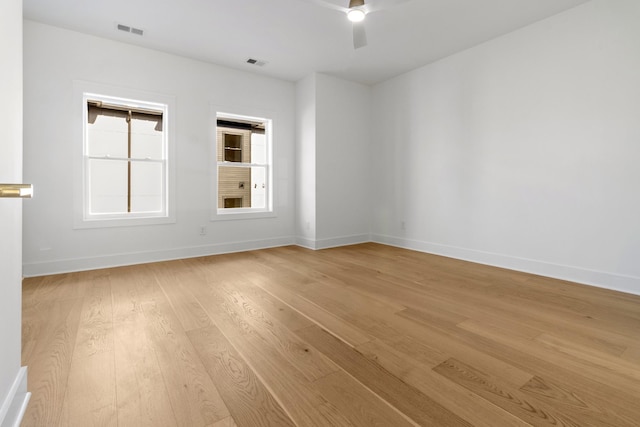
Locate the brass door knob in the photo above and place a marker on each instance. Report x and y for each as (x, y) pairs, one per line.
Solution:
(24, 191)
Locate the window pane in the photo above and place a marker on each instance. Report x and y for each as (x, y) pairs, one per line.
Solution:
(258, 187)
(234, 182)
(146, 187)
(242, 141)
(146, 137)
(258, 148)
(107, 186)
(107, 133)
(234, 145)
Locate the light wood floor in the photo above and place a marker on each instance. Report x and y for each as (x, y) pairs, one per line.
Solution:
(366, 335)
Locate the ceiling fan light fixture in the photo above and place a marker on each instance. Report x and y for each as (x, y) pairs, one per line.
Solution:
(356, 15)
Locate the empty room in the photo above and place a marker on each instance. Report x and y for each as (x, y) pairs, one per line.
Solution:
(320, 213)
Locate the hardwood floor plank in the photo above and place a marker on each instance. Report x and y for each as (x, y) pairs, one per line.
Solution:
(575, 401)
(358, 404)
(30, 287)
(432, 345)
(602, 342)
(432, 315)
(612, 364)
(545, 317)
(50, 360)
(90, 398)
(339, 277)
(549, 358)
(194, 398)
(142, 397)
(301, 400)
(318, 315)
(131, 287)
(341, 299)
(274, 307)
(173, 277)
(59, 287)
(413, 403)
(563, 296)
(311, 363)
(95, 331)
(491, 388)
(457, 399)
(632, 354)
(227, 422)
(248, 401)
(548, 364)
(582, 315)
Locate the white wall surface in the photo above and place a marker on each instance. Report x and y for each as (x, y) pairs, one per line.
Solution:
(54, 58)
(333, 161)
(523, 152)
(343, 161)
(306, 161)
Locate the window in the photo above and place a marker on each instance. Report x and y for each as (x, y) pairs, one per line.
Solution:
(243, 152)
(125, 161)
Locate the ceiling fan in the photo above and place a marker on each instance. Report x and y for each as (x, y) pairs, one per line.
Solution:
(356, 15)
(356, 12)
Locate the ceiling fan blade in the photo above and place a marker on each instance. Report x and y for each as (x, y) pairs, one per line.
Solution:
(328, 5)
(377, 5)
(359, 35)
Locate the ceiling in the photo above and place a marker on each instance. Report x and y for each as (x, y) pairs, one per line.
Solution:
(298, 37)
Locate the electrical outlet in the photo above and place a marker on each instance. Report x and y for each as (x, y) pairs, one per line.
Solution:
(203, 230)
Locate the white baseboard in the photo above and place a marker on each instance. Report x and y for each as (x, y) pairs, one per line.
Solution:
(332, 242)
(107, 261)
(306, 243)
(601, 279)
(15, 405)
(613, 281)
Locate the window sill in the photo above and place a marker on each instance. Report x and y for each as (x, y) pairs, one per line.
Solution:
(238, 214)
(121, 222)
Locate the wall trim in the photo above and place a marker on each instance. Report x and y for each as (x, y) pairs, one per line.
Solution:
(306, 242)
(14, 406)
(332, 242)
(35, 269)
(600, 279)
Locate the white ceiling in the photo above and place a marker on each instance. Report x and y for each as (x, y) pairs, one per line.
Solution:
(298, 37)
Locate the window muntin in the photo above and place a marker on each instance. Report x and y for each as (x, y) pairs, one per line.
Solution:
(125, 158)
(243, 146)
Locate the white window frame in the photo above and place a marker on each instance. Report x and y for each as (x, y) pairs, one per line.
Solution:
(83, 218)
(268, 211)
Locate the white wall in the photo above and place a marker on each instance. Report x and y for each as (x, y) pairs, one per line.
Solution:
(54, 58)
(306, 161)
(343, 161)
(333, 161)
(522, 152)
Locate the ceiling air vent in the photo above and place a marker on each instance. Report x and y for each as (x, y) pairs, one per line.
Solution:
(128, 29)
(256, 62)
